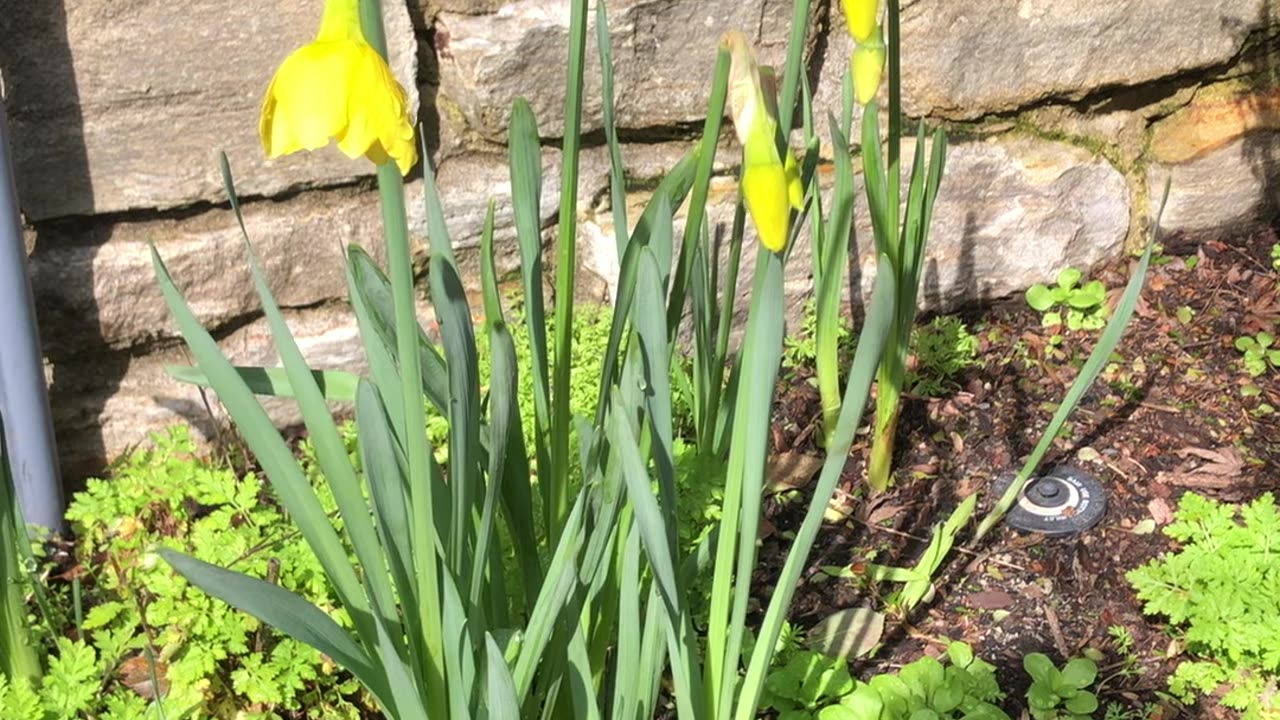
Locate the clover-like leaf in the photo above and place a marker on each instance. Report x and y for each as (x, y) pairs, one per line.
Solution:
(1040, 668)
(1083, 703)
(961, 654)
(1079, 673)
(1039, 297)
(1069, 278)
(1051, 319)
(865, 703)
(1090, 295)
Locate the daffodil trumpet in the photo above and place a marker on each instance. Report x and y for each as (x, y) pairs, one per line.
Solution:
(338, 88)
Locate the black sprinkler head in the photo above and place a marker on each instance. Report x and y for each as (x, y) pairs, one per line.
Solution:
(1063, 501)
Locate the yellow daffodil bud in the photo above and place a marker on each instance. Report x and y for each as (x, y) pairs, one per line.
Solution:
(770, 181)
(860, 16)
(338, 87)
(868, 67)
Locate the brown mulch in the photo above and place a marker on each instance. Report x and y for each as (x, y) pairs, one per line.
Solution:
(1166, 418)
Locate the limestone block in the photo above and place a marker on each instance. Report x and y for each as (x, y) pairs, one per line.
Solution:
(94, 283)
(664, 57)
(124, 105)
(105, 405)
(1229, 188)
(1222, 153)
(1011, 212)
(964, 60)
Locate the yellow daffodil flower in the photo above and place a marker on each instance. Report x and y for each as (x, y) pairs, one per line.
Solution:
(860, 16)
(770, 182)
(338, 87)
(868, 67)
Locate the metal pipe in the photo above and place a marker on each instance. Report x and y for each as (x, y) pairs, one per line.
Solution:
(24, 400)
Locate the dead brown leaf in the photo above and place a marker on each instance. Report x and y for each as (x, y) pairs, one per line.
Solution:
(1221, 469)
(990, 600)
(1160, 511)
(791, 471)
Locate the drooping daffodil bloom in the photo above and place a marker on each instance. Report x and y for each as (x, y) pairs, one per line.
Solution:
(338, 87)
(868, 66)
(860, 16)
(770, 180)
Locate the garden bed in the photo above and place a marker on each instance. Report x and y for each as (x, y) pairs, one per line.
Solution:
(1168, 416)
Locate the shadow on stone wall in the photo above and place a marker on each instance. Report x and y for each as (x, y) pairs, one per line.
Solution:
(1262, 147)
(53, 180)
(428, 80)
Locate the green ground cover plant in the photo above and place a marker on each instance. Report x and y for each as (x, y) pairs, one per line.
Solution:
(138, 641)
(942, 349)
(1060, 694)
(1070, 303)
(1258, 353)
(959, 686)
(1221, 594)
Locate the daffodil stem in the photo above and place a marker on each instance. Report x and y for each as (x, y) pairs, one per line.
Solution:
(888, 407)
(895, 109)
(400, 268)
(566, 271)
(795, 62)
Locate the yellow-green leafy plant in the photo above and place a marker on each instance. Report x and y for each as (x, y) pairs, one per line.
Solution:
(596, 609)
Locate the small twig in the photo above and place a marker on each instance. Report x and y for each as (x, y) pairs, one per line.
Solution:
(984, 555)
(1161, 408)
(1055, 628)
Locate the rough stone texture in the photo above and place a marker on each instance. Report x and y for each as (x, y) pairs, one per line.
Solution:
(1223, 190)
(106, 404)
(97, 281)
(124, 105)
(664, 54)
(1011, 212)
(119, 106)
(969, 59)
(1222, 153)
(1215, 118)
(464, 7)
(100, 278)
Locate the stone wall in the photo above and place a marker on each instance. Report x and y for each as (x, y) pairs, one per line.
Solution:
(1066, 118)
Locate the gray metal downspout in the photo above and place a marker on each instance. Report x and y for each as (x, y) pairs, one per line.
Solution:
(24, 401)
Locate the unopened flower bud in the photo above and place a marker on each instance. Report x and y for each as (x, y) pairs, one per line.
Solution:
(868, 68)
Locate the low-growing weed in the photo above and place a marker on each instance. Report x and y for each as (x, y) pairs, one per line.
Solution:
(1221, 594)
(1060, 694)
(148, 635)
(943, 348)
(1260, 353)
(811, 685)
(1070, 303)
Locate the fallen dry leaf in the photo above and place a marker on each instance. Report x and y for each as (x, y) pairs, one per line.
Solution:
(791, 471)
(879, 511)
(1221, 469)
(990, 600)
(1160, 511)
(135, 673)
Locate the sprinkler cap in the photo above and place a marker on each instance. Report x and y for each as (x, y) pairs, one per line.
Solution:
(1063, 501)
